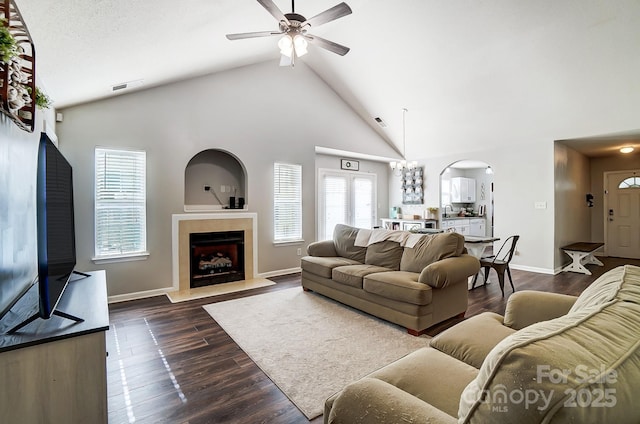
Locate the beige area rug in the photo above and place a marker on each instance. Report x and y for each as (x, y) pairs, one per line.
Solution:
(310, 346)
(218, 289)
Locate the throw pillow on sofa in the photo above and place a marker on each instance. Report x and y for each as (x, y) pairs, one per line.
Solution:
(344, 238)
(385, 254)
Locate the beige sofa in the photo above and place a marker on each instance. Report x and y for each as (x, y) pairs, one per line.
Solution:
(551, 359)
(409, 279)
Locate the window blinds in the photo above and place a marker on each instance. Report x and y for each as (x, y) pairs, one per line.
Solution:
(287, 202)
(120, 203)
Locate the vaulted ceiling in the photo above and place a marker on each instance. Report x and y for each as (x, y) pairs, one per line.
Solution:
(456, 65)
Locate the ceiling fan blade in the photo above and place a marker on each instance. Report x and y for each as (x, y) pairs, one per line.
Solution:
(274, 10)
(242, 35)
(328, 45)
(337, 11)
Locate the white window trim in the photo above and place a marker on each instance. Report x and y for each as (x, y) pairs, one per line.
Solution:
(143, 256)
(293, 240)
(125, 256)
(320, 196)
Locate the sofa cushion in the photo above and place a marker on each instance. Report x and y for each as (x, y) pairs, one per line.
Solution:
(323, 265)
(398, 285)
(385, 253)
(430, 376)
(344, 238)
(372, 401)
(352, 275)
(471, 340)
(431, 248)
(621, 283)
(581, 367)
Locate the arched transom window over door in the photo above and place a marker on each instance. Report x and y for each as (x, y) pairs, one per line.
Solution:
(631, 182)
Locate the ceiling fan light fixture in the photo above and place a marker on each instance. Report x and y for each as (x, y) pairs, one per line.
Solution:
(300, 45)
(293, 28)
(286, 45)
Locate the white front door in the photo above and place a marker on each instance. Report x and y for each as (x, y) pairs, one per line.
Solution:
(622, 214)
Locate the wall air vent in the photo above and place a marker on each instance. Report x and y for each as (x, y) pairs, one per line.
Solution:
(380, 122)
(125, 85)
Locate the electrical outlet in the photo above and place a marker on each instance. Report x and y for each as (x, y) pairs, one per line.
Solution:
(299, 251)
(540, 205)
(221, 189)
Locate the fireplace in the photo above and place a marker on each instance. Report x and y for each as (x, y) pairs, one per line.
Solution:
(216, 257)
(183, 225)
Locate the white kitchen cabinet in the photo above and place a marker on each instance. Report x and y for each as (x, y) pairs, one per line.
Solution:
(463, 190)
(477, 227)
(459, 225)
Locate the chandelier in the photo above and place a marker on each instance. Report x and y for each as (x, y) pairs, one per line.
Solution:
(401, 166)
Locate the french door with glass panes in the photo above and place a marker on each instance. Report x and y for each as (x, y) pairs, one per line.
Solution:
(345, 197)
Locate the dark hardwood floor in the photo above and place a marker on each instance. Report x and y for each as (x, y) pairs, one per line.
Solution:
(172, 363)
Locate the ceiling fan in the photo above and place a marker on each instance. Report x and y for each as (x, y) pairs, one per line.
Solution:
(293, 28)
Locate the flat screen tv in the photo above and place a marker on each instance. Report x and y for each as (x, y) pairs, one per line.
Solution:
(55, 230)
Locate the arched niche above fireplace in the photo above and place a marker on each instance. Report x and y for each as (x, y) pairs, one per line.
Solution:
(211, 178)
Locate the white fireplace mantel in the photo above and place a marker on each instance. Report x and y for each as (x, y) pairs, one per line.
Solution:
(211, 221)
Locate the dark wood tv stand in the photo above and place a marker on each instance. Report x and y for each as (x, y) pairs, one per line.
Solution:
(55, 370)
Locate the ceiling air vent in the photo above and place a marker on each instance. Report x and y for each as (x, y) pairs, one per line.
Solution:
(380, 122)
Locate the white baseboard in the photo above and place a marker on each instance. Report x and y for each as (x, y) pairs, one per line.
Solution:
(279, 272)
(139, 295)
(158, 292)
(533, 269)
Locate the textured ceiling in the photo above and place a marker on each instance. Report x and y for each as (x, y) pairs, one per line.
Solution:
(456, 65)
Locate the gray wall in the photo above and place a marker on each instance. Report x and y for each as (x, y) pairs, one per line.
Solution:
(260, 114)
(572, 216)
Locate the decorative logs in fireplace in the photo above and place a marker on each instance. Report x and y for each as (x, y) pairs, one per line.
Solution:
(216, 258)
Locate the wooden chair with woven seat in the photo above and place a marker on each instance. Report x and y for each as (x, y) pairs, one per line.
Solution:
(499, 262)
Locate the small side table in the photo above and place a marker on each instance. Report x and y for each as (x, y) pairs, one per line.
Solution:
(581, 254)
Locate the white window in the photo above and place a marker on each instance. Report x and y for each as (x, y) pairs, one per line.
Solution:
(631, 182)
(120, 204)
(345, 198)
(287, 203)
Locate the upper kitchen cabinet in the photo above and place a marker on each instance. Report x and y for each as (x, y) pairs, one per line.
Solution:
(463, 190)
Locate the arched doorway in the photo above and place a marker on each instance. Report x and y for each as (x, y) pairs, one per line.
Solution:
(466, 198)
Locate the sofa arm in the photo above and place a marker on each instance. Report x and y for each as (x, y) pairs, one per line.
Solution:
(322, 248)
(449, 271)
(527, 307)
(374, 401)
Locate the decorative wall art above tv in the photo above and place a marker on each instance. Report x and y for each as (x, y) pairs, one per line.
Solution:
(412, 183)
(17, 67)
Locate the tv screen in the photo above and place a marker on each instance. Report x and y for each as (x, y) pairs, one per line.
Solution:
(55, 225)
